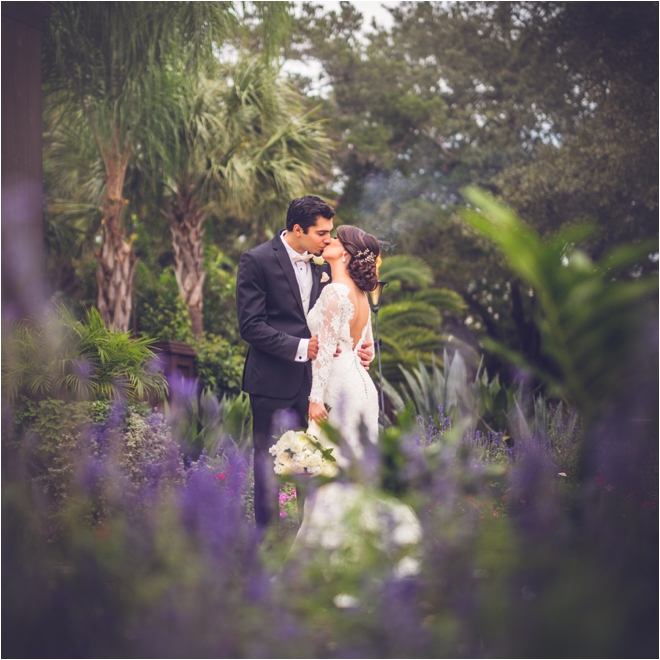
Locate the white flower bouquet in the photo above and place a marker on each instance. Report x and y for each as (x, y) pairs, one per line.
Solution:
(298, 452)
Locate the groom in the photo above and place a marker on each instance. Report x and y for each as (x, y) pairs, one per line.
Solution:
(277, 284)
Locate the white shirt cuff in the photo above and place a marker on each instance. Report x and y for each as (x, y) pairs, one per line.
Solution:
(301, 355)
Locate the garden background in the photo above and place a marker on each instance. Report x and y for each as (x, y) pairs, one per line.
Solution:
(507, 156)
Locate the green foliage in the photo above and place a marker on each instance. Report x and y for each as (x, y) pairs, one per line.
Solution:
(220, 316)
(605, 167)
(588, 322)
(402, 269)
(49, 420)
(239, 142)
(219, 364)
(146, 442)
(133, 114)
(106, 67)
(428, 393)
(161, 312)
(492, 401)
(488, 405)
(443, 299)
(378, 109)
(552, 106)
(208, 423)
(410, 320)
(398, 316)
(281, 147)
(64, 435)
(561, 429)
(104, 82)
(61, 357)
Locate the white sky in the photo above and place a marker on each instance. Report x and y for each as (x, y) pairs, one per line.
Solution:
(368, 8)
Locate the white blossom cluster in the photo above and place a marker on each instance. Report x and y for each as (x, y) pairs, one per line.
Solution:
(295, 453)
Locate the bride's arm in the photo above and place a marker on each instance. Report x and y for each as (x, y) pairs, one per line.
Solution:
(329, 308)
(366, 351)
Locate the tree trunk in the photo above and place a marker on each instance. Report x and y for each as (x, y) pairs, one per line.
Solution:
(186, 221)
(116, 259)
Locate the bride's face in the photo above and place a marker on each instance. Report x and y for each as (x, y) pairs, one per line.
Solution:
(334, 251)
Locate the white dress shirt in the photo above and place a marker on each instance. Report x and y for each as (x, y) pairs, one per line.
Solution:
(304, 277)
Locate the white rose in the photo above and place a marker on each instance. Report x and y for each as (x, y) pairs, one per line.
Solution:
(318, 261)
(284, 464)
(298, 444)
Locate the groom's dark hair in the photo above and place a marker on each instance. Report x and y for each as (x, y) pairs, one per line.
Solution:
(305, 211)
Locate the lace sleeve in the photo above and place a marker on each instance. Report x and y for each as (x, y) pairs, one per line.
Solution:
(329, 307)
(369, 336)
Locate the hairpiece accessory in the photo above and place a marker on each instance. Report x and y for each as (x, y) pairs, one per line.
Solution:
(366, 256)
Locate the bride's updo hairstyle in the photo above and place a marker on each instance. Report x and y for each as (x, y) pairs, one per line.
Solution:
(364, 250)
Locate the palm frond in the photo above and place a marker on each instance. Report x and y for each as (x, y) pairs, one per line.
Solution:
(443, 299)
(404, 314)
(406, 268)
(63, 357)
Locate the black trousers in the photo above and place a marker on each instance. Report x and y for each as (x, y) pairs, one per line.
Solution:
(270, 418)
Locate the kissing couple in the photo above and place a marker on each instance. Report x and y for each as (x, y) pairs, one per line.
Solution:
(303, 309)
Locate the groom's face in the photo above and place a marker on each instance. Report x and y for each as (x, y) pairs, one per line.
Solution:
(317, 237)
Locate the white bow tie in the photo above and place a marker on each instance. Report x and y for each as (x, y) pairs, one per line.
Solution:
(301, 257)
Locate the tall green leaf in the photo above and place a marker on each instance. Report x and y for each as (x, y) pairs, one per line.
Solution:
(589, 322)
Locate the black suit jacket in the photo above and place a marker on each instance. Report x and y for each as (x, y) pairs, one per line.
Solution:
(272, 320)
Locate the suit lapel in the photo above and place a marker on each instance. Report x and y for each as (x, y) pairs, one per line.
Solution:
(284, 261)
(316, 284)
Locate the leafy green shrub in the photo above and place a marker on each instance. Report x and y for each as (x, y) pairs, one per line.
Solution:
(589, 318)
(220, 316)
(148, 450)
(161, 312)
(49, 419)
(127, 449)
(62, 357)
(219, 364)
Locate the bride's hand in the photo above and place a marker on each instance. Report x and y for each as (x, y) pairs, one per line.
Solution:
(317, 412)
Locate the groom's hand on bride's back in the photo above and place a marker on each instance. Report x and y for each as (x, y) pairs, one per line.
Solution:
(366, 354)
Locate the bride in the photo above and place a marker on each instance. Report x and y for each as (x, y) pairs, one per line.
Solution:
(342, 317)
(336, 514)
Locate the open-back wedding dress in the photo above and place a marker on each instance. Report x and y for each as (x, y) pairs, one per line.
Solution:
(342, 382)
(337, 513)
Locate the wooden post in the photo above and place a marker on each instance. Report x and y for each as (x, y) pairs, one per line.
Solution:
(23, 286)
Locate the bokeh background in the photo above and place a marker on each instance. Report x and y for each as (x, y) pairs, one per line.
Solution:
(506, 155)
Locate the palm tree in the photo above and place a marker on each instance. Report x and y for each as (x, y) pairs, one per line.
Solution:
(104, 68)
(73, 198)
(240, 141)
(197, 137)
(288, 152)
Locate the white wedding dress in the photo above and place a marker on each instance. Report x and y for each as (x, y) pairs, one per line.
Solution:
(342, 382)
(337, 515)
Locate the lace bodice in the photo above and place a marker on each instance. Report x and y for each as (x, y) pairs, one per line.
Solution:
(331, 318)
